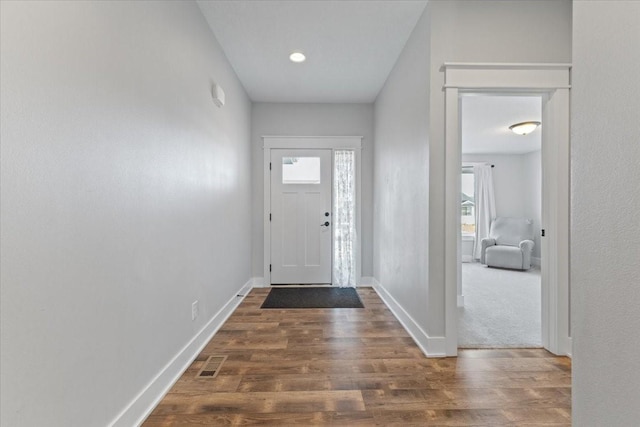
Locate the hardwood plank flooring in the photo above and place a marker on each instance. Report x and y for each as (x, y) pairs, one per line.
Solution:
(359, 367)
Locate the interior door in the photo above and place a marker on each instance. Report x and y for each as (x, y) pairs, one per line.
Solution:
(301, 222)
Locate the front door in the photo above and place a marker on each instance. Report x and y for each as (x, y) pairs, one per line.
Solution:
(301, 221)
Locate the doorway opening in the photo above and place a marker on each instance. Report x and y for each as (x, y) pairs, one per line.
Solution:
(312, 211)
(552, 83)
(499, 280)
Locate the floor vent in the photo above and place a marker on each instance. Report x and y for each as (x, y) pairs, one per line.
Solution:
(211, 367)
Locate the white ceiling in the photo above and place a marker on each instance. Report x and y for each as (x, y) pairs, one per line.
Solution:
(351, 46)
(486, 121)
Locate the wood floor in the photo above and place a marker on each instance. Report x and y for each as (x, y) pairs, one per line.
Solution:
(358, 367)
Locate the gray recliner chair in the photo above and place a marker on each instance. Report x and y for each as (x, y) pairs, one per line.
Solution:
(509, 245)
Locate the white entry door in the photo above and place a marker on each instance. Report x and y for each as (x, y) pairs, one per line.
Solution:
(301, 220)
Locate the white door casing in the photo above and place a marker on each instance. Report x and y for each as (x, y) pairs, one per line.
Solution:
(330, 143)
(301, 221)
(552, 81)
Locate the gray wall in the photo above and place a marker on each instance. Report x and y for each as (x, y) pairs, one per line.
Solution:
(401, 181)
(125, 197)
(605, 254)
(481, 31)
(270, 119)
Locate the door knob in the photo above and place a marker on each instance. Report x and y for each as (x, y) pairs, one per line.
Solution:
(326, 214)
(326, 224)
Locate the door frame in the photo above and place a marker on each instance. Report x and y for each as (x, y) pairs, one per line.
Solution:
(310, 143)
(552, 82)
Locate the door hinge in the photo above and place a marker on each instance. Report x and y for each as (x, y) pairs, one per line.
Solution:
(543, 232)
(269, 267)
(269, 165)
(269, 217)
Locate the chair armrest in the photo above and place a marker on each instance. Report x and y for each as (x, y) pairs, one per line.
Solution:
(526, 246)
(484, 244)
(488, 241)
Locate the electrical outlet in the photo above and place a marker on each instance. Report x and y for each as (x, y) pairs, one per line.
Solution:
(195, 310)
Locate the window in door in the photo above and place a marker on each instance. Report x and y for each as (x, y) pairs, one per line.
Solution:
(301, 170)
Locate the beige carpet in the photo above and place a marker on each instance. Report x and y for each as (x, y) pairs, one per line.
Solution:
(502, 308)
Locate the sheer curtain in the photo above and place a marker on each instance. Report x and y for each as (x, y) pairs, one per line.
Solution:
(344, 218)
(485, 205)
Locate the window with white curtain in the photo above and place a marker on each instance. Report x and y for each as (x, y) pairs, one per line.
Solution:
(344, 218)
(468, 202)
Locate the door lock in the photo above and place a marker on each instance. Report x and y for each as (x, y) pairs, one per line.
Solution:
(326, 214)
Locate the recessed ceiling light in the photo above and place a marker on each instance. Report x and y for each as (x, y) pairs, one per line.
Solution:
(297, 57)
(524, 128)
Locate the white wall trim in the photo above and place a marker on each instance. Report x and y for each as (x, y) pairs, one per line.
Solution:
(430, 346)
(554, 246)
(552, 81)
(452, 228)
(310, 142)
(535, 261)
(141, 406)
(507, 76)
(244, 290)
(366, 282)
(508, 65)
(313, 142)
(460, 300)
(258, 282)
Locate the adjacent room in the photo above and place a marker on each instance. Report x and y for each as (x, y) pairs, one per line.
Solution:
(500, 298)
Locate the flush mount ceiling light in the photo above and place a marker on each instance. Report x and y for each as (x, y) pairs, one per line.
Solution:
(297, 57)
(524, 128)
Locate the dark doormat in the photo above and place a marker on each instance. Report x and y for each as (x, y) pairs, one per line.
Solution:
(312, 298)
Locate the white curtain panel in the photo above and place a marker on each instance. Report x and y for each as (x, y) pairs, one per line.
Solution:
(344, 218)
(485, 205)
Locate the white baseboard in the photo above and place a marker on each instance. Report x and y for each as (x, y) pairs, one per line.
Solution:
(570, 347)
(366, 282)
(258, 282)
(460, 300)
(535, 261)
(244, 290)
(430, 346)
(467, 258)
(142, 405)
